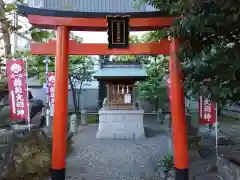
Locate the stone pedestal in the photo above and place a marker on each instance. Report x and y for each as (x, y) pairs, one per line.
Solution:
(193, 137)
(121, 124)
(192, 131)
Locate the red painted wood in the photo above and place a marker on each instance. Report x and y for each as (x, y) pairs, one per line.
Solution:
(49, 48)
(60, 101)
(179, 123)
(99, 24)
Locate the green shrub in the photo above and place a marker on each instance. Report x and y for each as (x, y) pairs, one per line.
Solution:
(92, 118)
(167, 162)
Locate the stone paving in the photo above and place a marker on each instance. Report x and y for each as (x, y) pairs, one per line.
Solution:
(98, 159)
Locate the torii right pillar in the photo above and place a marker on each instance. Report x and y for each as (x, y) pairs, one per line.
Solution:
(179, 125)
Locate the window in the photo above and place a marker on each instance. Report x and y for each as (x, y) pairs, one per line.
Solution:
(22, 43)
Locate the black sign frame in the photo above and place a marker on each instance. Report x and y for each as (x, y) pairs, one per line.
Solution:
(118, 31)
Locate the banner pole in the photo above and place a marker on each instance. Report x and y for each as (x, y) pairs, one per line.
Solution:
(28, 118)
(47, 93)
(216, 129)
(200, 107)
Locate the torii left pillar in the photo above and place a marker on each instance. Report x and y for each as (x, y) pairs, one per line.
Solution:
(59, 136)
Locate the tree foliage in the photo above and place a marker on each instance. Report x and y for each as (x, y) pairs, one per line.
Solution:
(154, 88)
(210, 32)
(78, 67)
(134, 58)
(9, 26)
(6, 27)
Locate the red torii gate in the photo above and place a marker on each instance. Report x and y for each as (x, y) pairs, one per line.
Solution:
(63, 22)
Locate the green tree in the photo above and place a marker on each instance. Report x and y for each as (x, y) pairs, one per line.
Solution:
(6, 27)
(134, 58)
(9, 26)
(154, 89)
(210, 32)
(79, 71)
(78, 67)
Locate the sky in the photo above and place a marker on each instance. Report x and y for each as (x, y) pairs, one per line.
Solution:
(98, 37)
(8, 1)
(91, 37)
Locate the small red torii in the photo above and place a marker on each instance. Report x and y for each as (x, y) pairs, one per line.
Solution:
(64, 22)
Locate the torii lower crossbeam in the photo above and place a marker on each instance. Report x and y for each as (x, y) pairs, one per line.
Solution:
(162, 47)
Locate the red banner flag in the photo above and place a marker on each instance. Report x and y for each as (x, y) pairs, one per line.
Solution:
(207, 111)
(17, 90)
(51, 86)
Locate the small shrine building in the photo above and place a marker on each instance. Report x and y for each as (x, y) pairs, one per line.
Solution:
(119, 116)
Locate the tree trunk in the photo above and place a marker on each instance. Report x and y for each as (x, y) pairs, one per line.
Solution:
(73, 95)
(156, 104)
(4, 28)
(79, 96)
(5, 31)
(219, 110)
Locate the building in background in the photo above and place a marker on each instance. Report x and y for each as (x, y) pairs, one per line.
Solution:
(20, 40)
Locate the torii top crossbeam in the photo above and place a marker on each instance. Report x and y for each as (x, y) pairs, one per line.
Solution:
(89, 21)
(83, 21)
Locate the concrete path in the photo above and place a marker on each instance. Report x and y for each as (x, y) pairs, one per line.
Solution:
(98, 159)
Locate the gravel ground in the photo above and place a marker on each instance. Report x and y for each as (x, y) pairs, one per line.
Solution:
(98, 159)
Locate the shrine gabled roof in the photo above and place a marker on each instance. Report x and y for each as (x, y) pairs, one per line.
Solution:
(93, 6)
(27, 10)
(94, 20)
(121, 72)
